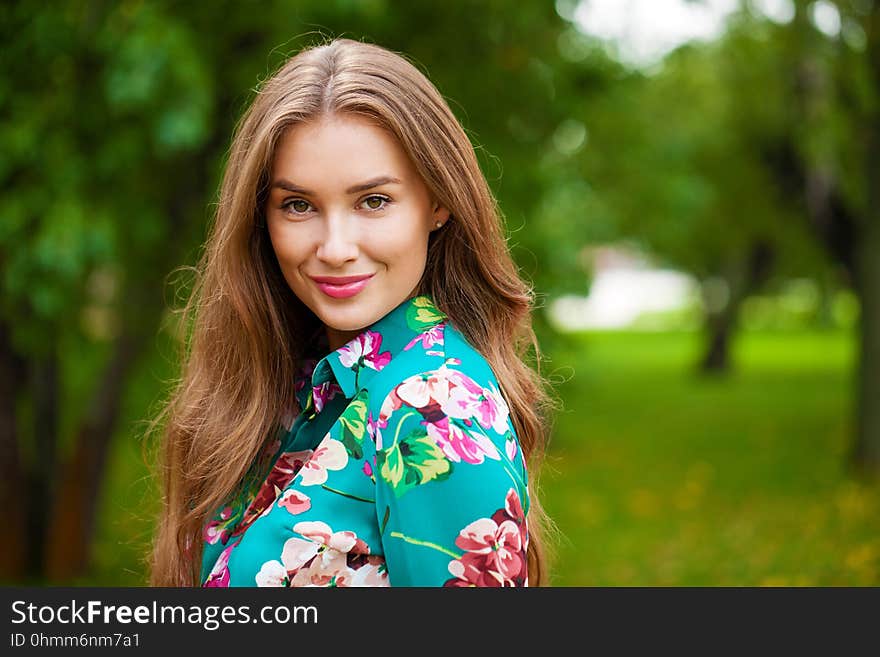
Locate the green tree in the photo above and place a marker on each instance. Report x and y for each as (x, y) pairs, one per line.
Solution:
(673, 166)
(117, 117)
(752, 156)
(830, 159)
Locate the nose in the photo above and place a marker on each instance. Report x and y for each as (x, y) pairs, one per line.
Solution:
(339, 243)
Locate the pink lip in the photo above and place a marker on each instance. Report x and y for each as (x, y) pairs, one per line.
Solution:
(341, 287)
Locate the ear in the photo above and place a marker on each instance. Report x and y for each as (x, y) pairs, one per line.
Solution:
(439, 215)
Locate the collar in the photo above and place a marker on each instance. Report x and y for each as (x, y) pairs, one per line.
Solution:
(350, 368)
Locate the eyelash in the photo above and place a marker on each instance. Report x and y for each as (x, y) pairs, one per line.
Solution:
(385, 201)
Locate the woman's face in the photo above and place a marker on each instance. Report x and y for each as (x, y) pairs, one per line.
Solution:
(349, 219)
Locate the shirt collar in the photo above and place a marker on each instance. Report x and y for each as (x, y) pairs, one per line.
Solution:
(354, 364)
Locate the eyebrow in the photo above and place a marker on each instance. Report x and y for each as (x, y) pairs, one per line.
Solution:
(354, 189)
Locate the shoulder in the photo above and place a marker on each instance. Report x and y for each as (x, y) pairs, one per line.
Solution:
(442, 355)
(442, 423)
(450, 396)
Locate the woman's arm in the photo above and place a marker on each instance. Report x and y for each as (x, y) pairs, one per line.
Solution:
(451, 489)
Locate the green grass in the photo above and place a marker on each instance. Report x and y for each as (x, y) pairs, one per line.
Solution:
(655, 476)
(659, 477)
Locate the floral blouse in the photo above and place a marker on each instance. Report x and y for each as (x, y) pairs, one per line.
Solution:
(402, 469)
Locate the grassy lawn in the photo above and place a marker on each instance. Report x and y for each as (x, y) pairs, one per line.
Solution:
(655, 476)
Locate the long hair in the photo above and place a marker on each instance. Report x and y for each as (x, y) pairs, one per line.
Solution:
(246, 333)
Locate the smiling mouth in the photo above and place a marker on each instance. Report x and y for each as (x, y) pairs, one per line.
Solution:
(340, 280)
(341, 287)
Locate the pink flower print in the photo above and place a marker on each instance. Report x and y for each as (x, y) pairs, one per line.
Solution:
(462, 403)
(322, 558)
(330, 455)
(377, 436)
(219, 576)
(462, 380)
(495, 549)
(328, 568)
(218, 530)
(364, 350)
(423, 390)
(295, 501)
(392, 403)
(493, 554)
(431, 337)
(272, 573)
(372, 573)
(513, 507)
(513, 511)
(371, 427)
(323, 393)
(367, 469)
(496, 412)
(320, 532)
(457, 445)
(467, 399)
(297, 552)
(510, 447)
(286, 467)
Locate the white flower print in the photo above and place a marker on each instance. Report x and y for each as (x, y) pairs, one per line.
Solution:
(297, 551)
(272, 573)
(330, 455)
(364, 347)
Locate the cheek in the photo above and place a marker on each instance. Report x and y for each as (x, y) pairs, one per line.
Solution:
(288, 247)
(398, 247)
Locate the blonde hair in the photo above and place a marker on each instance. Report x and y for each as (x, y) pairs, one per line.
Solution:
(246, 330)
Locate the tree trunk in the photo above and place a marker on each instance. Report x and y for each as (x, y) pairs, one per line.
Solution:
(76, 507)
(40, 488)
(12, 375)
(716, 358)
(866, 452)
(744, 279)
(75, 510)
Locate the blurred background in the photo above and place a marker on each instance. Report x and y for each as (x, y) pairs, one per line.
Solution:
(693, 188)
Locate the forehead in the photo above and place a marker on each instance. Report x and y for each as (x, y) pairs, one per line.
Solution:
(347, 148)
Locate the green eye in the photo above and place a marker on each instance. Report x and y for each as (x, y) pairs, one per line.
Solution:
(375, 202)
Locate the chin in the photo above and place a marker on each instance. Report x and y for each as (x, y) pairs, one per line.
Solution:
(352, 318)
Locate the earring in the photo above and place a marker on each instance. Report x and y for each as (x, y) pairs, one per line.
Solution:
(439, 224)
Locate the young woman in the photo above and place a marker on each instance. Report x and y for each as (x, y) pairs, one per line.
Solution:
(354, 407)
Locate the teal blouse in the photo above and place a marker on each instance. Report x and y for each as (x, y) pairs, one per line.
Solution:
(402, 469)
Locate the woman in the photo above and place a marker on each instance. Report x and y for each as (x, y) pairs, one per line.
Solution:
(354, 408)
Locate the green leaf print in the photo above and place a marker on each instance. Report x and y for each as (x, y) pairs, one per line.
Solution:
(413, 461)
(309, 410)
(353, 421)
(422, 314)
(391, 467)
(421, 453)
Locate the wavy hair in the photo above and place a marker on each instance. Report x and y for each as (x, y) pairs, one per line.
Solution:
(245, 331)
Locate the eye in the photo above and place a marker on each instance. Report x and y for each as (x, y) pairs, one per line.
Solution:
(375, 202)
(297, 205)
